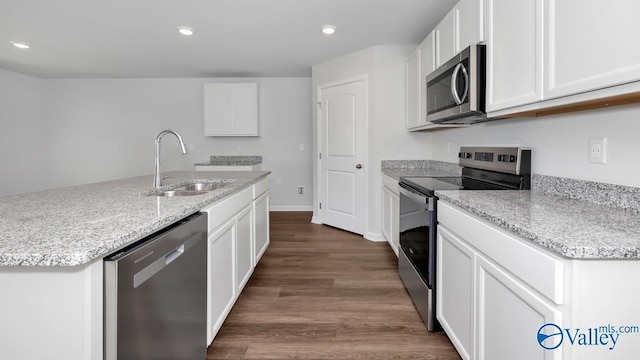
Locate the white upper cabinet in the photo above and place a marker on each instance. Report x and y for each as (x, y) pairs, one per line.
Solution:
(469, 16)
(231, 109)
(590, 45)
(514, 53)
(446, 34)
(427, 65)
(413, 95)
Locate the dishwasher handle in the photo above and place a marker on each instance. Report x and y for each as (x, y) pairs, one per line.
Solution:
(149, 271)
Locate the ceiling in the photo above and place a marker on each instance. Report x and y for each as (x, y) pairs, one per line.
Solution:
(233, 38)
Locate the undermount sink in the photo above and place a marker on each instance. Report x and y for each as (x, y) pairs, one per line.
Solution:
(199, 188)
(203, 186)
(180, 193)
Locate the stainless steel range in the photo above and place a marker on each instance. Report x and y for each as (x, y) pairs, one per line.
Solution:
(484, 168)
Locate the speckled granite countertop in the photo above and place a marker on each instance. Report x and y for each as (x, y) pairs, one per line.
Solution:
(232, 160)
(572, 228)
(424, 168)
(75, 225)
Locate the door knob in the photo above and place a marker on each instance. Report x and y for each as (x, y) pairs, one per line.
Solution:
(359, 166)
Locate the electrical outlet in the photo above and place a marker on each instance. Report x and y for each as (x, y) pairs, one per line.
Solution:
(300, 190)
(598, 150)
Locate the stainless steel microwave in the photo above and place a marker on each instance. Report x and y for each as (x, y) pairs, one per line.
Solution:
(456, 90)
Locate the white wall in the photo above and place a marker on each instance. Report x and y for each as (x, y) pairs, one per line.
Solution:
(560, 143)
(23, 138)
(386, 134)
(103, 129)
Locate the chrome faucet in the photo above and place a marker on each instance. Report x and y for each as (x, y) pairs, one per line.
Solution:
(157, 175)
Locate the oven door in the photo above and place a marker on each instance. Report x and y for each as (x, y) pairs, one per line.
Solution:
(417, 224)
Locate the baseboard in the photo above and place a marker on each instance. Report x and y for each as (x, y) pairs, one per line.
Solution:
(291, 208)
(378, 237)
(315, 220)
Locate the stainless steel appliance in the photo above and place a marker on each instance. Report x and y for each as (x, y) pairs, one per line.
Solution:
(484, 168)
(156, 295)
(456, 90)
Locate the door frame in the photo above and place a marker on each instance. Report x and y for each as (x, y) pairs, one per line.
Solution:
(319, 188)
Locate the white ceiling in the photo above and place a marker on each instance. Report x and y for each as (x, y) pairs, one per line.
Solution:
(235, 38)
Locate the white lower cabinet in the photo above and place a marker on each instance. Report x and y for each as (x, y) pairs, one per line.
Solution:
(509, 315)
(244, 247)
(391, 212)
(261, 238)
(221, 289)
(456, 291)
(496, 291)
(238, 225)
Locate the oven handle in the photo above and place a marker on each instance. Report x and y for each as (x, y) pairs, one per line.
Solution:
(425, 201)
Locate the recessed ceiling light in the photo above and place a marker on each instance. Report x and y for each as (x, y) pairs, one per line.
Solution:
(19, 45)
(187, 31)
(328, 29)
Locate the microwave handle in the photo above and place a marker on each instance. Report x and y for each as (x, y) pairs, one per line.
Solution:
(454, 82)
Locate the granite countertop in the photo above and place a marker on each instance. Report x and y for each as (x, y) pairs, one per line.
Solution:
(217, 160)
(75, 225)
(422, 168)
(573, 228)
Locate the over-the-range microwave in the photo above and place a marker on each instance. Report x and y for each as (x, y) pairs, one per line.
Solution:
(456, 90)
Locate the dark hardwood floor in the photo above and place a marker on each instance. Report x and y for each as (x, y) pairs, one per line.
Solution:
(324, 293)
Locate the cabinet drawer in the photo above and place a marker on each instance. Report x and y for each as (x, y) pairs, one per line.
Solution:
(223, 210)
(260, 187)
(539, 268)
(390, 183)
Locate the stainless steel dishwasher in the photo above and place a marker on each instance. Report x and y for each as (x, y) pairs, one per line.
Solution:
(156, 295)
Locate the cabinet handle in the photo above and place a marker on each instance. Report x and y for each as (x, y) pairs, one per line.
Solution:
(359, 166)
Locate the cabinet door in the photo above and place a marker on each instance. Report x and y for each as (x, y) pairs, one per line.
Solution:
(514, 53)
(395, 223)
(446, 38)
(427, 66)
(261, 237)
(231, 109)
(412, 91)
(588, 45)
(509, 316)
(244, 247)
(455, 291)
(469, 23)
(221, 289)
(386, 214)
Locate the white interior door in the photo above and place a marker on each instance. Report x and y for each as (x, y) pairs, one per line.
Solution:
(342, 180)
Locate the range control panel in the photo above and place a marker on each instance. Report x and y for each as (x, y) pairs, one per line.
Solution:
(511, 160)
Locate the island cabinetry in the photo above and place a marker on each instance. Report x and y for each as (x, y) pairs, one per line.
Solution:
(238, 225)
(391, 212)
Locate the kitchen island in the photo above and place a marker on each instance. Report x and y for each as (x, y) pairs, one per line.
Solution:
(51, 250)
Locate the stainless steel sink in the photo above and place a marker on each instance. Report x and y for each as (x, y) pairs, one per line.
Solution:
(203, 186)
(180, 193)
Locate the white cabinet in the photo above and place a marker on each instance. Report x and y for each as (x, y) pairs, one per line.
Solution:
(456, 292)
(462, 27)
(261, 213)
(469, 18)
(391, 212)
(231, 109)
(427, 65)
(413, 94)
(514, 53)
(445, 34)
(244, 247)
(590, 46)
(238, 225)
(504, 302)
(494, 291)
(221, 289)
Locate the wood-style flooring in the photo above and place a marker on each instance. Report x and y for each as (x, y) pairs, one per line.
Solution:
(324, 293)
